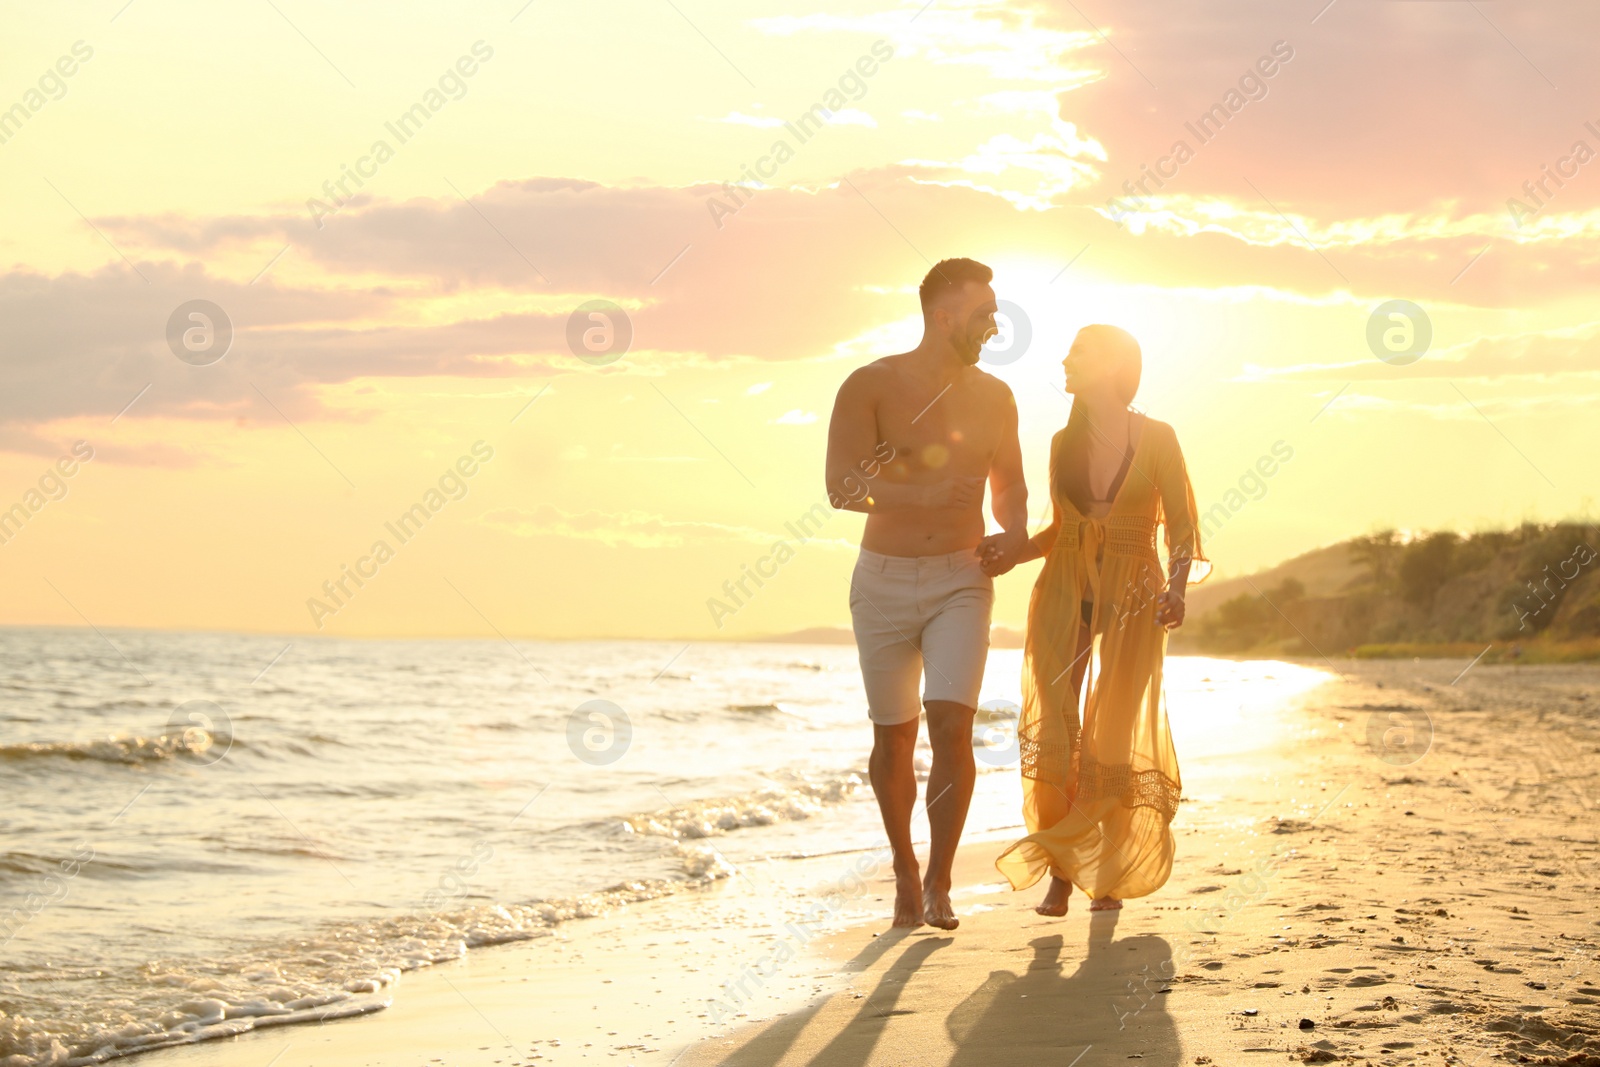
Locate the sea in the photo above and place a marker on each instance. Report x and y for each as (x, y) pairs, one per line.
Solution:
(204, 834)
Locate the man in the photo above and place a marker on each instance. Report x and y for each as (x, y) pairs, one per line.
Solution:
(913, 438)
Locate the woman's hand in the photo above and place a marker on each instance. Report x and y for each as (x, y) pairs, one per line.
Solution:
(1169, 610)
(999, 552)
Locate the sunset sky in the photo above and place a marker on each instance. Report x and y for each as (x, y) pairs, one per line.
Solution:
(379, 335)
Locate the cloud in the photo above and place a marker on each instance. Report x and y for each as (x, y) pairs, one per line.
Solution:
(1383, 107)
(1543, 355)
(1056, 156)
(1013, 42)
(426, 288)
(796, 417)
(1037, 102)
(414, 289)
(852, 117)
(1456, 407)
(89, 344)
(1454, 105)
(1262, 224)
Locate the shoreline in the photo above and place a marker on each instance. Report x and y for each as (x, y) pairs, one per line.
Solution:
(1319, 878)
(685, 968)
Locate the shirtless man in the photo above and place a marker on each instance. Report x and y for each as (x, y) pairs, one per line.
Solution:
(913, 439)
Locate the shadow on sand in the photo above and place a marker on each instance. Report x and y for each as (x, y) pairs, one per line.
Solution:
(1112, 1001)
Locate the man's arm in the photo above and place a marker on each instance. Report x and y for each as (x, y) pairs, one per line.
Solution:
(853, 464)
(1008, 495)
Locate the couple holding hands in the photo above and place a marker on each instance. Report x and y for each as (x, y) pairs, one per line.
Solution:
(1099, 774)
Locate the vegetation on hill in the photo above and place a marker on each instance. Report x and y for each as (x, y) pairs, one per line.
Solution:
(1531, 590)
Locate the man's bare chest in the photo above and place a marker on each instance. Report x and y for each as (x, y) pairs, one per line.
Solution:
(955, 431)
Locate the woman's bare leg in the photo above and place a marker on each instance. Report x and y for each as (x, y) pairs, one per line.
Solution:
(1055, 898)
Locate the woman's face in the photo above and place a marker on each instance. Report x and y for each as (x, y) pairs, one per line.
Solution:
(1085, 366)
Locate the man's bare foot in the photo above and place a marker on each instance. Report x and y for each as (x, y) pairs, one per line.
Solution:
(937, 909)
(1055, 898)
(1105, 904)
(907, 896)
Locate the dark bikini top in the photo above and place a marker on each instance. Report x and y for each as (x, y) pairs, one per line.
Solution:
(1116, 483)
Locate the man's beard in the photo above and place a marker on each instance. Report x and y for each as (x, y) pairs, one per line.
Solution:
(968, 348)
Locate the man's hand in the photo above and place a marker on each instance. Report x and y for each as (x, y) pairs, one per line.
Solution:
(959, 493)
(1169, 610)
(998, 553)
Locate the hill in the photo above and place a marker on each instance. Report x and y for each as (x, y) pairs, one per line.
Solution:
(1533, 590)
(1321, 572)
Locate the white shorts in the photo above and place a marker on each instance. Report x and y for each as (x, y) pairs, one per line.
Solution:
(916, 611)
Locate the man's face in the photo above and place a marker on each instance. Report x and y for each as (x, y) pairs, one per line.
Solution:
(971, 323)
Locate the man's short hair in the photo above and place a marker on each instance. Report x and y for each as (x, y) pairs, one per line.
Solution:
(951, 274)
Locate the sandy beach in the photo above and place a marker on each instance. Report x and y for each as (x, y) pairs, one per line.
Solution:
(1408, 874)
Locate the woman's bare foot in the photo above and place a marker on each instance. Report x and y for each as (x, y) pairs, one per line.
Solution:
(1055, 898)
(1105, 904)
(907, 896)
(937, 909)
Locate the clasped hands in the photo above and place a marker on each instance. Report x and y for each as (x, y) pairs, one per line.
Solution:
(1169, 609)
(999, 552)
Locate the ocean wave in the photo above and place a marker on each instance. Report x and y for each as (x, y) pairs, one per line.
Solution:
(200, 1019)
(807, 796)
(129, 748)
(343, 970)
(123, 703)
(26, 864)
(774, 707)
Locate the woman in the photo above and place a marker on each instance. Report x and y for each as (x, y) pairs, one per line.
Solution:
(1100, 792)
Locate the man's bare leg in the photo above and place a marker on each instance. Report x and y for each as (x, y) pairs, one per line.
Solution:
(894, 783)
(949, 795)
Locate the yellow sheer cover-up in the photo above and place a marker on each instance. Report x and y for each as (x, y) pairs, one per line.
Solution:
(1099, 795)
